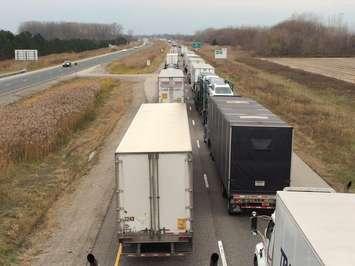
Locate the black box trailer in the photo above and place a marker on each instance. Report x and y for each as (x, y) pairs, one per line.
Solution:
(252, 149)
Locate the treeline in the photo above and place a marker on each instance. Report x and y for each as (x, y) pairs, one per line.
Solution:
(301, 35)
(25, 40)
(72, 30)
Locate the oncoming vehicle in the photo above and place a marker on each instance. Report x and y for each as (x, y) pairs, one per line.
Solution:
(67, 64)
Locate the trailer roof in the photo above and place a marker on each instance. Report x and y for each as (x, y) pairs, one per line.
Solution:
(201, 65)
(241, 111)
(327, 221)
(160, 127)
(171, 72)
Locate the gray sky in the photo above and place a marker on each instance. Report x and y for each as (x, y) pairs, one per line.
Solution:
(168, 16)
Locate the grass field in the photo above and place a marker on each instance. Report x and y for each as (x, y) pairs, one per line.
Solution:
(137, 63)
(28, 186)
(55, 59)
(321, 109)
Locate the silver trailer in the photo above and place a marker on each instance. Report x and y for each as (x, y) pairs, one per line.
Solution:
(309, 228)
(171, 86)
(197, 68)
(172, 59)
(154, 183)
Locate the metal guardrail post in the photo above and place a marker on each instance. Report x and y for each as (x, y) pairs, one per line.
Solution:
(214, 259)
(92, 260)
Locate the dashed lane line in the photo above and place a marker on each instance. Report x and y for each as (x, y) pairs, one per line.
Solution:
(221, 253)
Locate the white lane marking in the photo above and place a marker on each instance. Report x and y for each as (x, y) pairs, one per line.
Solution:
(190, 107)
(221, 252)
(193, 122)
(206, 181)
(198, 143)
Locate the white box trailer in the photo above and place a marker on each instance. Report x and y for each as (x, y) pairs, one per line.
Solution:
(183, 50)
(310, 229)
(171, 86)
(172, 59)
(188, 55)
(154, 183)
(197, 69)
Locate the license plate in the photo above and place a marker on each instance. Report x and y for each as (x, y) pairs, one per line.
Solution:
(259, 183)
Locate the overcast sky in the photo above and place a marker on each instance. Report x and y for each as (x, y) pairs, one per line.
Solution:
(168, 16)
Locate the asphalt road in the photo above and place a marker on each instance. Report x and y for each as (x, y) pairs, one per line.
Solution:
(212, 224)
(38, 77)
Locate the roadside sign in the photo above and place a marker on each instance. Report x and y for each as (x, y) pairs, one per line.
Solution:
(220, 53)
(26, 55)
(148, 62)
(196, 45)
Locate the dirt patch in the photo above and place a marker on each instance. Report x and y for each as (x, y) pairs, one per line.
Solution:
(29, 189)
(321, 109)
(137, 63)
(56, 59)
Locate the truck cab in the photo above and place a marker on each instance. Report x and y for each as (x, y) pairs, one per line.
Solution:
(220, 89)
(264, 250)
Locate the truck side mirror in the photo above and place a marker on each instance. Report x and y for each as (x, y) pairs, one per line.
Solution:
(254, 223)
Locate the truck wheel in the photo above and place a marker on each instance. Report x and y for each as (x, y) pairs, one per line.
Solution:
(229, 207)
(224, 192)
(212, 158)
(255, 261)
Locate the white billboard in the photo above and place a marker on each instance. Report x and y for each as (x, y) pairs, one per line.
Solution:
(220, 53)
(26, 55)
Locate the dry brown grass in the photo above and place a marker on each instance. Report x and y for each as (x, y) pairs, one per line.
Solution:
(321, 109)
(137, 63)
(28, 189)
(32, 128)
(55, 59)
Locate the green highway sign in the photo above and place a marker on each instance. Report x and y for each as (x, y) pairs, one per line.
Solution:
(196, 45)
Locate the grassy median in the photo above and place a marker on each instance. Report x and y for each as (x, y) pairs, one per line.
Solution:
(68, 123)
(137, 63)
(321, 109)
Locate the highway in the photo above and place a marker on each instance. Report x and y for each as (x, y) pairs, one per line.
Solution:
(38, 77)
(214, 229)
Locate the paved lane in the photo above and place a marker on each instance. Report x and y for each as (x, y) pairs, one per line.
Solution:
(35, 78)
(212, 224)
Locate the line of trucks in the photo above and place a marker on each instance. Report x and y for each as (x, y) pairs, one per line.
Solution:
(252, 151)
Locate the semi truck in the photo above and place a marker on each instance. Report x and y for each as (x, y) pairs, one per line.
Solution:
(171, 86)
(172, 59)
(153, 175)
(196, 69)
(252, 150)
(308, 228)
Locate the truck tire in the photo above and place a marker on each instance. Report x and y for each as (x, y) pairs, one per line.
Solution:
(229, 208)
(212, 157)
(224, 192)
(255, 261)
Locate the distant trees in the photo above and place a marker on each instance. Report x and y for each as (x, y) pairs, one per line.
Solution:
(60, 37)
(72, 30)
(301, 35)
